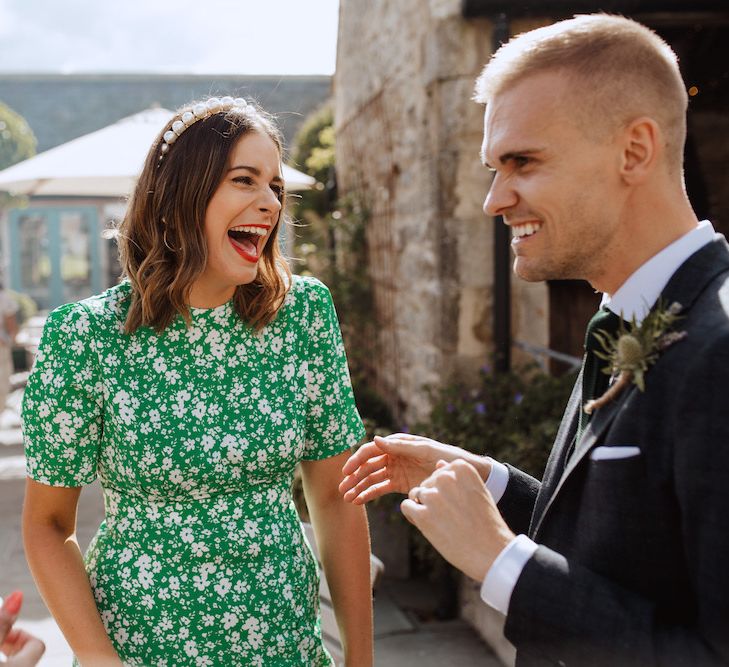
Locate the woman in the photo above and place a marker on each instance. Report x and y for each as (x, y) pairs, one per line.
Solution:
(192, 390)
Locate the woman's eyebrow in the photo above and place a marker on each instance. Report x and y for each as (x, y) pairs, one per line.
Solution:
(255, 171)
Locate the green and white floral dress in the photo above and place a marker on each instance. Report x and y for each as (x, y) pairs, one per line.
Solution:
(194, 435)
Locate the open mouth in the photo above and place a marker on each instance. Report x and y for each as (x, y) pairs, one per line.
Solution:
(247, 241)
(525, 230)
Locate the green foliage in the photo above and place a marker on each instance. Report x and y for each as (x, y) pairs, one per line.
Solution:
(313, 151)
(512, 416)
(314, 144)
(17, 141)
(332, 244)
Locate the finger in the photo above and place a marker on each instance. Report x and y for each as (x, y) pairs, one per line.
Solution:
(365, 452)
(368, 467)
(437, 477)
(399, 436)
(441, 464)
(414, 494)
(25, 646)
(422, 494)
(412, 511)
(32, 652)
(9, 612)
(9, 645)
(371, 480)
(375, 491)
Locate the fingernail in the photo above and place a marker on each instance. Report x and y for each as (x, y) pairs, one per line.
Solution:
(13, 602)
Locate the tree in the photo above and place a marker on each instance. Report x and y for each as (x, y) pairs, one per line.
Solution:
(17, 141)
(314, 144)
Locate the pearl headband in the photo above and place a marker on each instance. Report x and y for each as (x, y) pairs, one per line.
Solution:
(198, 112)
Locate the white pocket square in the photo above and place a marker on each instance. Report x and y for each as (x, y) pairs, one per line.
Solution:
(611, 453)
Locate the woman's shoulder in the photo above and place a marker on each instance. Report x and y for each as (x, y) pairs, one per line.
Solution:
(305, 296)
(107, 308)
(308, 287)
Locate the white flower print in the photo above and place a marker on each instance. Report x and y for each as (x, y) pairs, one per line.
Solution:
(223, 586)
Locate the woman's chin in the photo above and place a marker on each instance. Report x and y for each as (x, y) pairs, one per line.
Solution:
(247, 276)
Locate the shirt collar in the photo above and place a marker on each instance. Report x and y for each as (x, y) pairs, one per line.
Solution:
(641, 290)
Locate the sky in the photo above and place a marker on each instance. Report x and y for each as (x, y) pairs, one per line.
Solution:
(169, 36)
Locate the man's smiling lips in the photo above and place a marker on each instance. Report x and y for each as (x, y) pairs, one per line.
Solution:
(524, 230)
(246, 240)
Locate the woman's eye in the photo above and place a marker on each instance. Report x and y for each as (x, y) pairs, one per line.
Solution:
(278, 191)
(246, 180)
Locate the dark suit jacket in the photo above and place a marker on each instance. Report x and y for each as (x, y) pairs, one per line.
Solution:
(633, 562)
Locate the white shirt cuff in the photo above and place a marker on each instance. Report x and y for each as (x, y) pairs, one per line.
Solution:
(501, 578)
(497, 480)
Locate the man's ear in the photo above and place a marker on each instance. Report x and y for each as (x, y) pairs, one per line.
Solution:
(642, 147)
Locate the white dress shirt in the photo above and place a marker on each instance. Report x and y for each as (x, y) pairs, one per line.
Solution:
(634, 299)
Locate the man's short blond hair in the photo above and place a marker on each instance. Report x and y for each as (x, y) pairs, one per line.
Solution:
(619, 70)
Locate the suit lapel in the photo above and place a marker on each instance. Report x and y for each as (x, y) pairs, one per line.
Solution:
(595, 429)
(591, 436)
(562, 445)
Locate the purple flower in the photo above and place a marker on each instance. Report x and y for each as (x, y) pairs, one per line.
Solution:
(518, 398)
(479, 408)
(450, 408)
(485, 369)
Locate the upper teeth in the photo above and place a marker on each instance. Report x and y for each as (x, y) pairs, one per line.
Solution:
(261, 231)
(524, 230)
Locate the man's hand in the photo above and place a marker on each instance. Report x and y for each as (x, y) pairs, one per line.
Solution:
(396, 464)
(21, 648)
(458, 516)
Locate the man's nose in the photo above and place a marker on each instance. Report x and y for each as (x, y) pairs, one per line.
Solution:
(500, 197)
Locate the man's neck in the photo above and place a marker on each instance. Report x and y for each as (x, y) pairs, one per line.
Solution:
(647, 226)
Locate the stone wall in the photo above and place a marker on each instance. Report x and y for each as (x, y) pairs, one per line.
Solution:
(408, 139)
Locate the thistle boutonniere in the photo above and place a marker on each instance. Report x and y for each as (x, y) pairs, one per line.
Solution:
(635, 349)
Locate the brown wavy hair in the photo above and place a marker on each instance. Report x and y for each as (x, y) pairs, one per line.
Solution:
(161, 239)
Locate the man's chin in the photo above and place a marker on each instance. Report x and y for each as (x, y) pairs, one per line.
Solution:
(529, 272)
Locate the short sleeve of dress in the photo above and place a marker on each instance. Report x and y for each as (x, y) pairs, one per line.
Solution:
(333, 424)
(63, 402)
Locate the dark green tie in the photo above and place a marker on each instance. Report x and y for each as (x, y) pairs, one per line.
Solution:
(594, 381)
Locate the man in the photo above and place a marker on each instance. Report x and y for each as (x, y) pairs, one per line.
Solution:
(619, 555)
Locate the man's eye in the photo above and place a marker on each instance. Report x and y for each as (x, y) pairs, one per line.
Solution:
(521, 161)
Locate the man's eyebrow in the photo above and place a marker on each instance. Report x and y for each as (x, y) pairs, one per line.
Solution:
(255, 171)
(510, 155)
